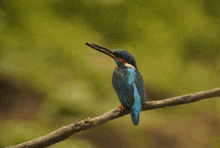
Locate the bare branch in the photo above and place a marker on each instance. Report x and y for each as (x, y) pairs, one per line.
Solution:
(66, 131)
(182, 99)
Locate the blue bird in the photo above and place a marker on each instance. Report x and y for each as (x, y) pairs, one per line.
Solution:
(127, 81)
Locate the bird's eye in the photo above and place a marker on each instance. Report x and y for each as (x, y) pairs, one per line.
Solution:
(119, 55)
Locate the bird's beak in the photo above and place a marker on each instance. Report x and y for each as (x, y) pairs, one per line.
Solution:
(104, 50)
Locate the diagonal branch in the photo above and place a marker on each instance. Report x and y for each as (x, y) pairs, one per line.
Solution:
(182, 99)
(66, 131)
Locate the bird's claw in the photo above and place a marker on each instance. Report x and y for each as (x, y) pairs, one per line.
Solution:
(120, 106)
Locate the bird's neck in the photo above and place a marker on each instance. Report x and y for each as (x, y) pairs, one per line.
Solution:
(119, 64)
(123, 65)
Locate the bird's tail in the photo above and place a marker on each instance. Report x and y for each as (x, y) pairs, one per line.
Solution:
(135, 117)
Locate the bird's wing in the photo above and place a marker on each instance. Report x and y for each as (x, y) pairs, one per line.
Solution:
(129, 87)
(140, 87)
(124, 90)
(124, 82)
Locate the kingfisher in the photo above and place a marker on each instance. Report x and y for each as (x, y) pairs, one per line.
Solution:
(126, 80)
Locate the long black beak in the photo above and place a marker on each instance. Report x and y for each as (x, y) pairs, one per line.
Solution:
(104, 50)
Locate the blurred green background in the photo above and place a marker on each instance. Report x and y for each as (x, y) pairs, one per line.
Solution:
(49, 78)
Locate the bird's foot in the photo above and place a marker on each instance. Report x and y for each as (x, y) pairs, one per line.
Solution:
(120, 106)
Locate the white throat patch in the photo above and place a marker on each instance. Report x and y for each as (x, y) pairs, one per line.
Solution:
(129, 66)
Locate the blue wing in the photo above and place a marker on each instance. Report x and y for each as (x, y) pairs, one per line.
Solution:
(140, 87)
(129, 87)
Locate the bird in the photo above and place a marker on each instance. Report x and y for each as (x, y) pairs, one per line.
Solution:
(126, 80)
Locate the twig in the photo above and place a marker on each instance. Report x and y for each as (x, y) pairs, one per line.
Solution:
(67, 131)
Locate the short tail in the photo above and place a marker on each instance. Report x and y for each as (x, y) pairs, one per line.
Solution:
(135, 118)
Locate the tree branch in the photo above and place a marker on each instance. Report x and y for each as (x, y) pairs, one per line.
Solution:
(66, 131)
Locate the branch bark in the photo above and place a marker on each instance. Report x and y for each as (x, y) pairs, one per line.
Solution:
(66, 131)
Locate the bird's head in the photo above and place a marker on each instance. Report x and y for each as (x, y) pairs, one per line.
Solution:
(123, 58)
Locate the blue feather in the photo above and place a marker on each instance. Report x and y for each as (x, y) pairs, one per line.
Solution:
(127, 81)
(129, 87)
(136, 108)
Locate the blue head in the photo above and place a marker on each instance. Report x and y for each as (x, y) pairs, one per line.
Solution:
(123, 58)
